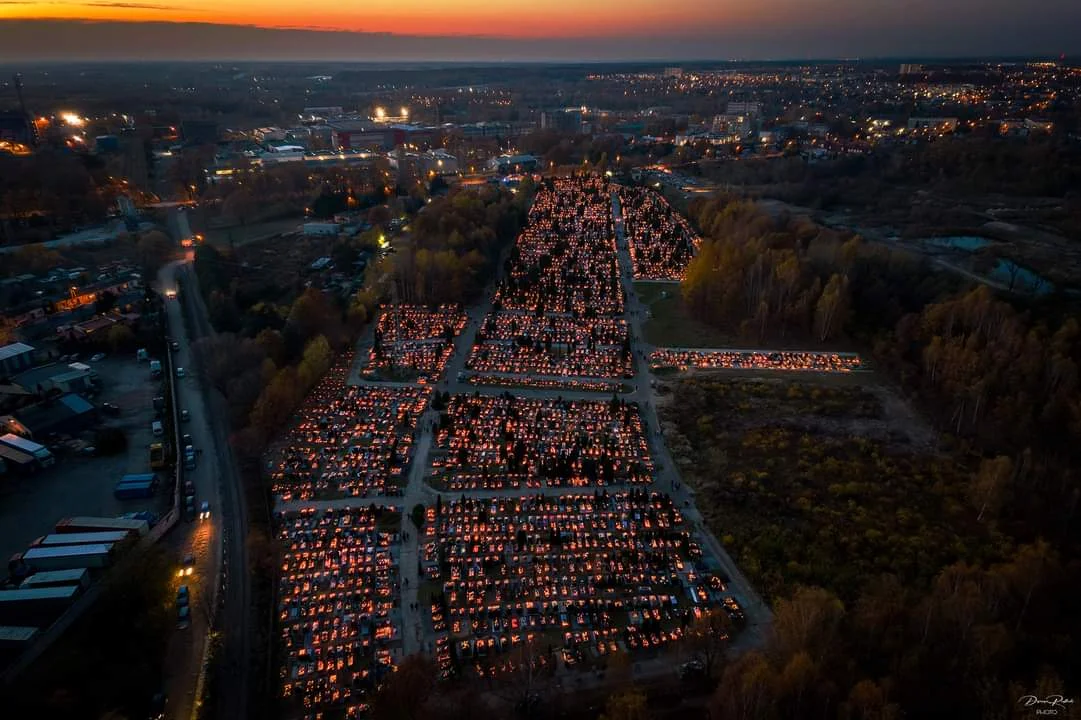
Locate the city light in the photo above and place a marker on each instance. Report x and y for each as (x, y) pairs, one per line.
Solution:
(72, 119)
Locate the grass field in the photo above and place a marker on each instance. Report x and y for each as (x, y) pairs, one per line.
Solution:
(219, 237)
(670, 325)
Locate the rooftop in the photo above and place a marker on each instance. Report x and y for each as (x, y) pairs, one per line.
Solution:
(14, 349)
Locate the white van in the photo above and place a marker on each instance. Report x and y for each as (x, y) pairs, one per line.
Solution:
(157, 428)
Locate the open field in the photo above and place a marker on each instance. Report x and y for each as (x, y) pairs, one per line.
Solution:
(670, 324)
(243, 234)
(794, 475)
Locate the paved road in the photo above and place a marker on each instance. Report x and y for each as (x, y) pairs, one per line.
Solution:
(222, 544)
(668, 478)
(235, 621)
(187, 647)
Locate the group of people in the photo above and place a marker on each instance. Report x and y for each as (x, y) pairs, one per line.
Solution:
(486, 442)
(349, 442)
(754, 360)
(602, 570)
(413, 341)
(661, 240)
(337, 599)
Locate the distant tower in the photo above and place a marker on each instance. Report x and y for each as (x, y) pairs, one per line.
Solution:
(31, 127)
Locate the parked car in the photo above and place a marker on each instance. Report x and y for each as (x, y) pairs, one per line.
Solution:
(110, 408)
(185, 416)
(96, 357)
(189, 508)
(180, 372)
(174, 345)
(185, 440)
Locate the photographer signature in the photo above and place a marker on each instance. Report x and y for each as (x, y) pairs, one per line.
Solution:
(1053, 701)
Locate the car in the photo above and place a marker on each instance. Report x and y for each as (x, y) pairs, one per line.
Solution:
(171, 294)
(185, 440)
(183, 617)
(89, 451)
(182, 595)
(110, 408)
(187, 566)
(185, 416)
(180, 372)
(174, 345)
(189, 488)
(204, 511)
(189, 458)
(96, 357)
(189, 507)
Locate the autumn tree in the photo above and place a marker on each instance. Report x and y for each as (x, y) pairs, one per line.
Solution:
(707, 638)
(988, 486)
(831, 312)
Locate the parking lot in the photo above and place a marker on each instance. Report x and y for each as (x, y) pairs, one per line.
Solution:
(78, 484)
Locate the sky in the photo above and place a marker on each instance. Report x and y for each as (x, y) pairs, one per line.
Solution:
(552, 29)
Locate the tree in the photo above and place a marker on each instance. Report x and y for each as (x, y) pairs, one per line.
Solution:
(808, 621)
(104, 302)
(1027, 572)
(240, 205)
(418, 516)
(153, 249)
(988, 486)
(406, 691)
(707, 639)
(831, 313)
(315, 363)
(120, 337)
(747, 690)
(626, 705)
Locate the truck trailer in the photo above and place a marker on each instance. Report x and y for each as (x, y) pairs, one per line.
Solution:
(36, 450)
(89, 538)
(57, 578)
(65, 557)
(101, 524)
(36, 607)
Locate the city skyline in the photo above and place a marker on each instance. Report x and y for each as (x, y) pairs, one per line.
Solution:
(466, 30)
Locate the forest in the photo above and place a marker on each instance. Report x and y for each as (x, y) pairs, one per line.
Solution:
(275, 342)
(455, 243)
(906, 582)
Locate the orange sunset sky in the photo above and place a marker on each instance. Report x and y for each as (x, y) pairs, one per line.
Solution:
(561, 18)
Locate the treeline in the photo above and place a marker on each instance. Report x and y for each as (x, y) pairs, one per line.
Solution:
(777, 278)
(264, 377)
(455, 242)
(50, 192)
(1002, 382)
